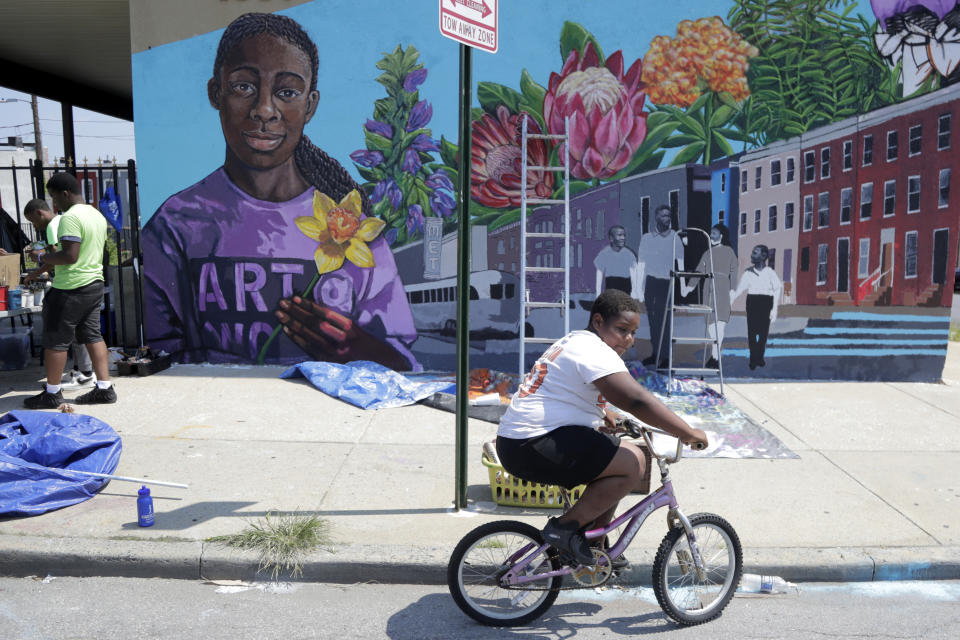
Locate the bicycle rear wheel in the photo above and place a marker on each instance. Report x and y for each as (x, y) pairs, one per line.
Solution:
(483, 556)
(684, 595)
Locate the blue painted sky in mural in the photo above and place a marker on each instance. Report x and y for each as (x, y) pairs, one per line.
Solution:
(178, 133)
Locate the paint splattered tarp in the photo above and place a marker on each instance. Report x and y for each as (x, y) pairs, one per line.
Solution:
(38, 451)
(732, 433)
(368, 385)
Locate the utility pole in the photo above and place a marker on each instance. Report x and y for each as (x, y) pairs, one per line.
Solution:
(36, 128)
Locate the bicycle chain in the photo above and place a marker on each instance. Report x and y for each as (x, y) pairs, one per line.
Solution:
(530, 586)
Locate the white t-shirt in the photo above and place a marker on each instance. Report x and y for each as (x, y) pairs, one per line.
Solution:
(559, 390)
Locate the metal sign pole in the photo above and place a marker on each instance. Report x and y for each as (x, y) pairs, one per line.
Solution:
(463, 280)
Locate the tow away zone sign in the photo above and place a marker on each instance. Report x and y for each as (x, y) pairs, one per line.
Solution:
(472, 22)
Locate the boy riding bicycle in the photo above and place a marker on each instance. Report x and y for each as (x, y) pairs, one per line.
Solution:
(550, 433)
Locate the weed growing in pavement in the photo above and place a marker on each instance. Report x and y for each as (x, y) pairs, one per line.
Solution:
(282, 540)
(955, 334)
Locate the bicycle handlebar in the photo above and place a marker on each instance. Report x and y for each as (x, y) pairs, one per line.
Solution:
(640, 430)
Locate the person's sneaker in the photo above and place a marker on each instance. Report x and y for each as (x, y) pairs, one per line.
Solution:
(76, 380)
(567, 537)
(98, 396)
(44, 400)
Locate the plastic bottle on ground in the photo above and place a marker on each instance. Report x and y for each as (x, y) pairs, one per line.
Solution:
(144, 507)
(753, 583)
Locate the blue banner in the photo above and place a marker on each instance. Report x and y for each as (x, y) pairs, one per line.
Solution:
(111, 209)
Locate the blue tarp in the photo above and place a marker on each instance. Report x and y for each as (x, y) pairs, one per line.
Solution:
(37, 451)
(366, 384)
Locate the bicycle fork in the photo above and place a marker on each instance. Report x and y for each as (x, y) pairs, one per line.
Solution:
(692, 560)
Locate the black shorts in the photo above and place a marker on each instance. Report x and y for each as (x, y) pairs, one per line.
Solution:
(567, 456)
(72, 315)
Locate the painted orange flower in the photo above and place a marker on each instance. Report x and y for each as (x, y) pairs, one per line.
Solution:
(340, 231)
(704, 49)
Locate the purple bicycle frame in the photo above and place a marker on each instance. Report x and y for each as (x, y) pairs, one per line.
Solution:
(637, 515)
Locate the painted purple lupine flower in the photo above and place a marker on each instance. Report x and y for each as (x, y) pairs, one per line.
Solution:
(419, 116)
(411, 162)
(366, 158)
(390, 236)
(414, 219)
(379, 191)
(414, 79)
(439, 180)
(380, 128)
(442, 203)
(423, 142)
(394, 193)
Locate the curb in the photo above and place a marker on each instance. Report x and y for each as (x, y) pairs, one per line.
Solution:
(84, 557)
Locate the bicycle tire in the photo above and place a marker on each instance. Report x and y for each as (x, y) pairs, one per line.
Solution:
(472, 575)
(678, 588)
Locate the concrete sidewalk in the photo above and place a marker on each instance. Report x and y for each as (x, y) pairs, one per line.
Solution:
(873, 496)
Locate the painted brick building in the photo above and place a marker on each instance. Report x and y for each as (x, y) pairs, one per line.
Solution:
(878, 223)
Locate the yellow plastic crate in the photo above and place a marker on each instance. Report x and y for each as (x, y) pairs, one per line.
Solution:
(511, 491)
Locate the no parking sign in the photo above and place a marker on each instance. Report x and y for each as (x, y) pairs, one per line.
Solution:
(471, 22)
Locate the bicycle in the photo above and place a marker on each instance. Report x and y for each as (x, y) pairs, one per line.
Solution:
(503, 574)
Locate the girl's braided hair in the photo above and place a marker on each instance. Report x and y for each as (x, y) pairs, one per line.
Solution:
(318, 168)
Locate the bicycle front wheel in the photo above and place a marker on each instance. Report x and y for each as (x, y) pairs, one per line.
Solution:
(684, 594)
(483, 556)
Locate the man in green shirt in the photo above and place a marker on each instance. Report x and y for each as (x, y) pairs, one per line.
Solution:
(46, 222)
(71, 310)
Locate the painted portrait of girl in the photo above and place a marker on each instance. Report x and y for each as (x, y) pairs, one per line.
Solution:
(274, 257)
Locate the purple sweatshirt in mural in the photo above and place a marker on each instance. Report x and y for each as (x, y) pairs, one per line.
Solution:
(217, 261)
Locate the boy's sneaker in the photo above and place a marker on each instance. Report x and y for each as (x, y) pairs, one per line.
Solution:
(567, 537)
(98, 396)
(44, 400)
(76, 380)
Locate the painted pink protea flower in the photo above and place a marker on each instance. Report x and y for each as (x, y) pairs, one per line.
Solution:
(605, 106)
(495, 163)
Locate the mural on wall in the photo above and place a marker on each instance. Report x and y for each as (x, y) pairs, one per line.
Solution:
(809, 142)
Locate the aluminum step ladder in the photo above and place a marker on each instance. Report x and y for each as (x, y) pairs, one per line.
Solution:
(526, 304)
(707, 311)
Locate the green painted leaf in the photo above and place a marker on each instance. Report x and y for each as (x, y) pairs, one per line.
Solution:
(723, 114)
(575, 36)
(370, 175)
(688, 154)
(448, 151)
(691, 125)
(491, 95)
(507, 218)
(700, 102)
(656, 118)
(722, 144)
(376, 141)
(533, 93)
(679, 140)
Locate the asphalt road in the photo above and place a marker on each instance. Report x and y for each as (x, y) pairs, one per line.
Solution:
(106, 608)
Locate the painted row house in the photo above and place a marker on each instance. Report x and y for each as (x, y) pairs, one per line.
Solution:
(879, 225)
(858, 212)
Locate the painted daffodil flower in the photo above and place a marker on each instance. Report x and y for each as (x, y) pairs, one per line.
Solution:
(340, 232)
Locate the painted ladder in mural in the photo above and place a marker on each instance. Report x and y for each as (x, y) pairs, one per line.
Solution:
(706, 307)
(526, 270)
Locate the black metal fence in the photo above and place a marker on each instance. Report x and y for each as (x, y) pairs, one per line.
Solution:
(123, 299)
